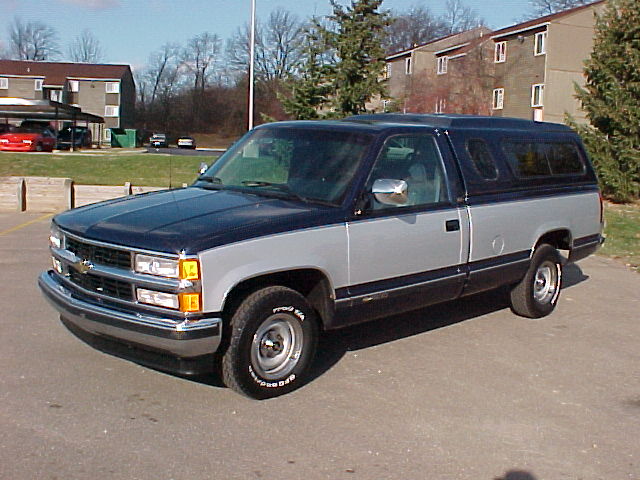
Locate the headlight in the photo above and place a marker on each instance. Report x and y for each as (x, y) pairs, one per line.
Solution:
(56, 237)
(163, 267)
(184, 269)
(185, 302)
(161, 299)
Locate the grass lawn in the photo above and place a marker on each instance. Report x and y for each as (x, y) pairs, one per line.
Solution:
(106, 167)
(623, 233)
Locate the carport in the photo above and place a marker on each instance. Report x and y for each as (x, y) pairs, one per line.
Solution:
(27, 109)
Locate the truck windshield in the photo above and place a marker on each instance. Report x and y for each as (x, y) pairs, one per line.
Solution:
(301, 163)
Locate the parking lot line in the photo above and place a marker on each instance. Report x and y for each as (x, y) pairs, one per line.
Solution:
(25, 224)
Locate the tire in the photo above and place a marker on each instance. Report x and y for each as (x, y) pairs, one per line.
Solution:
(273, 337)
(38, 147)
(537, 293)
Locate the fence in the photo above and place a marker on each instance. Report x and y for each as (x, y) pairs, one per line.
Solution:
(45, 194)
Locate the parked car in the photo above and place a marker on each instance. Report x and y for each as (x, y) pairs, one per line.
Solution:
(308, 226)
(185, 141)
(158, 140)
(81, 138)
(28, 139)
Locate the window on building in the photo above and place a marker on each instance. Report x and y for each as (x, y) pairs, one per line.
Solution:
(111, 110)
(407, 66)
(537, 95)
(112, 87)
(501, 52)
(442, 65)
(498, 99)
(385, 105)
(441, 105)
(38, 84)
(74, 85)
(387, 71)
(56, 96)
(107, 134)
(540, 44)
(4, 83)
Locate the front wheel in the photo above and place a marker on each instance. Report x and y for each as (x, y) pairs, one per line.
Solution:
(274, 333)
(537, 293)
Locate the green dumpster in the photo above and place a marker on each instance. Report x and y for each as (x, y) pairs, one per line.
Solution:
(123, 137)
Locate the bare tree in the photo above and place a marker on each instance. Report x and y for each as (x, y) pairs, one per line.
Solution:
(541, 8)
(460, 17)
(278, 46)
(162, 70)
(414, 27)
(86, 48)
(199, 56)
(33, 41)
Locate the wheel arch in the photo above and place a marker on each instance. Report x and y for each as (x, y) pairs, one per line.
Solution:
(311, 283)
(560, 239)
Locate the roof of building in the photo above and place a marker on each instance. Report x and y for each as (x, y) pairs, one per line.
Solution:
(43, 110)
(537, 22)
(56, 73)
(408, 51)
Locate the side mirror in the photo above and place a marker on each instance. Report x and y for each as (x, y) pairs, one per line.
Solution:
(203, 168)
(391, 192)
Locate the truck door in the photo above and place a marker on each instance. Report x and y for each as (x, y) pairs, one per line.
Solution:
(406, 256)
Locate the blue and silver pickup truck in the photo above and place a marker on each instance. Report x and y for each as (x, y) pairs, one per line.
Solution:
(308, 226)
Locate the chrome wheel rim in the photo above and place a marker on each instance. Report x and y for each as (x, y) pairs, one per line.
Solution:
(277, 346)
(546, 282)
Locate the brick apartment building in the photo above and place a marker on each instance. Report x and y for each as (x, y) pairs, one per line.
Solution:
(526, 70)
(107, 91)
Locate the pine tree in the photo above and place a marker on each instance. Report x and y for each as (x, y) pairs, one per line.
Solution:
(309, 93)
(356, 39)
(611, 100)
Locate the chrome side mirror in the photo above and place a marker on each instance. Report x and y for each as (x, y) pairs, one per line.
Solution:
(203, 168)
(391, 192)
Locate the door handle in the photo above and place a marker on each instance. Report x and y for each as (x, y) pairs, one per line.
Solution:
(452, 225)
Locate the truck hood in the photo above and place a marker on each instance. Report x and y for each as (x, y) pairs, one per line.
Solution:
(192, 219)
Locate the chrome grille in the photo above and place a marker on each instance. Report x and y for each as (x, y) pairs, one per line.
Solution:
(102, 285)
(111, 257)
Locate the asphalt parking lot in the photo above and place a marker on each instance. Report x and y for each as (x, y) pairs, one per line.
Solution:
(464, 390)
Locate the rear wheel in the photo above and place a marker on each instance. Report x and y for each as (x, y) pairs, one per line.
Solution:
(537, 293)
(274, 333)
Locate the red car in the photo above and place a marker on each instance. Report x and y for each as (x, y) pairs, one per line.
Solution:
(27, 139)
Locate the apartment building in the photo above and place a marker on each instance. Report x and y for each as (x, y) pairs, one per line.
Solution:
(527, 70)
(537, 63)
(107, 91)
(411, 71)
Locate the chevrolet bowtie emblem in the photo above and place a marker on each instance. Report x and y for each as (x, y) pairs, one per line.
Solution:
(84, 266)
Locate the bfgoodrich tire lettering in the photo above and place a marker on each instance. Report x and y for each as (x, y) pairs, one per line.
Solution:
(274, 334)
(537, 293)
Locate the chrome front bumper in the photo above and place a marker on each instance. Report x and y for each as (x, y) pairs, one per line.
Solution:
(174, 337)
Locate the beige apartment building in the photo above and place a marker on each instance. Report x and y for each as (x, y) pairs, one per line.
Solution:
(527, 70)
(537, 63)
(411, 71)
(106, 91)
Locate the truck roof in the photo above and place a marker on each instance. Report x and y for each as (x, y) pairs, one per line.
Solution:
(458, 121)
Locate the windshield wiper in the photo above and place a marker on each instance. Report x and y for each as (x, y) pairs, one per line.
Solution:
(281, 188)
(206, 178)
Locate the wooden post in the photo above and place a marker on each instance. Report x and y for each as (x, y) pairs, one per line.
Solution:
(22, 195)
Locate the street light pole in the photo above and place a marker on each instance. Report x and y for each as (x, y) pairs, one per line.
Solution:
(252, 61)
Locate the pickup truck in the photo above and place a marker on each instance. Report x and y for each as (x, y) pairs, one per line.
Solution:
(307, 226)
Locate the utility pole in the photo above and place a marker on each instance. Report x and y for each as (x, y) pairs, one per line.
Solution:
(252, 61)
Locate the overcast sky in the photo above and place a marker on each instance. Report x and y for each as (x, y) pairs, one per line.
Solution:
(129, 30)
